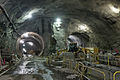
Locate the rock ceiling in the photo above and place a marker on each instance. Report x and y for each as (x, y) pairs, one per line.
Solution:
(97, 14)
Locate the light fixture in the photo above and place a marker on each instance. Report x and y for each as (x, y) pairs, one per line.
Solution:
(114, 9)
(22, 41)
(83, 27)
(30, 43)
(29, 14)
(24, 50)
(58, 20)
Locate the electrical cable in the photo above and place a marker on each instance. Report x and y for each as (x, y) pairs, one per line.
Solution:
(8, 18)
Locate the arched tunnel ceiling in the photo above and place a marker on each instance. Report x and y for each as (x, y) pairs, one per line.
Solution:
(95, 13)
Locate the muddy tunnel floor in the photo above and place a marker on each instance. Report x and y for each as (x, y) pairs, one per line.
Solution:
(37, 70)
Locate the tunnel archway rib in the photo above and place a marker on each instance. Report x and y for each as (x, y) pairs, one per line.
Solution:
(30, 37)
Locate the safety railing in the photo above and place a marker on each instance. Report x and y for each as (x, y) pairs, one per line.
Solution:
(104, 76)
(81, 68)
(103, 59)
(114, 78)
(109, 60)
(69, 63)
(78, 67)
(98, 58)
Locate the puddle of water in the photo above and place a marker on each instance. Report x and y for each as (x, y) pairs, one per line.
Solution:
(23, 70)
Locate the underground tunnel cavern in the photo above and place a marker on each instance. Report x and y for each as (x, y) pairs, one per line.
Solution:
(59, 39)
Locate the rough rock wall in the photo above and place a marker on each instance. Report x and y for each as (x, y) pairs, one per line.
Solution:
(96, 13)
(41, 26)
(60, 33)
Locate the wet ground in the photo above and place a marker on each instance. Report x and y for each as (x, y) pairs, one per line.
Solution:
(37, 70)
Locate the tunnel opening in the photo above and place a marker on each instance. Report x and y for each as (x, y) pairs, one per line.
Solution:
(81, 39)
(30, 43)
